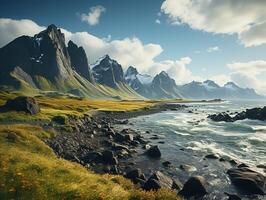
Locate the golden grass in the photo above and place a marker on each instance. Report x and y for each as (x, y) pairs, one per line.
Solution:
(70, 106)
(30, 170)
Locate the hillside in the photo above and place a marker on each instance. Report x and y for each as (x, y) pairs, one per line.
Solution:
(44, 63)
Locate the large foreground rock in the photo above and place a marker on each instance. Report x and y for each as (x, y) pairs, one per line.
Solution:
(154, 152)
(248, 181)
(159, 180)
(23, 103)
(194, 187)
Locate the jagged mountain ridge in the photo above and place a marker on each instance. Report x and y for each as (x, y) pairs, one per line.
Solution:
(159, 87)
(45, 63)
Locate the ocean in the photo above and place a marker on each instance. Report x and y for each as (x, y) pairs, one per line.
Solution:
(186, 137)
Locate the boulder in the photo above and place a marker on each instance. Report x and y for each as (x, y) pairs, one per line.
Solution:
(194, 187)
(221, 117)
(159, 180)
(212, 156)
(24, 104)
(136, 176)
(109, 158)
(188, 168)
(247, 180)
(153, 152)
(129, 137)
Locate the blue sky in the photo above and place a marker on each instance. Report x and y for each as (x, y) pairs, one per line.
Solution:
(136, 19)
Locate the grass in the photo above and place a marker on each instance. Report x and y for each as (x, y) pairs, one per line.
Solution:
(29, 169)
(69, 107)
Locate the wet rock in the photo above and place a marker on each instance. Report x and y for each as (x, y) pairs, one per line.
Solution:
(109, 158)
(220, 117)
(247, 180)
(24, 104)
(262, 166)
(212, 156)
(233, 162)
(232, 196)
(242, 165)
(129, 137)
(153, 152)
(194, 187)
(159, 180)
(119, 146)
(188, 168)
(166, 164)
(135, 175)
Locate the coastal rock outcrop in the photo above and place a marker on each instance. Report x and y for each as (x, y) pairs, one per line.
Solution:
(154, 152)
(159, 180)
(254, 114)
(248, 180)
(194, 187)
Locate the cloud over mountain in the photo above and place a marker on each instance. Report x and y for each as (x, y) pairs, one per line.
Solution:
(127, 51)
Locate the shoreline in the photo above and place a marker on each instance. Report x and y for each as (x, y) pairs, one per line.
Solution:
(109, 129)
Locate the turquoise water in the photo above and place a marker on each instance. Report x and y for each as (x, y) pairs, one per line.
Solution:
(188, 137)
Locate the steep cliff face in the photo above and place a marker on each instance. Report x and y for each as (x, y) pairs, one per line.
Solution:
(79, 60)
(43, 55)
(108, 72)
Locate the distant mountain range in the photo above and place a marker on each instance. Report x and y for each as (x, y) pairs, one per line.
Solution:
(163, 86)
(45, 64)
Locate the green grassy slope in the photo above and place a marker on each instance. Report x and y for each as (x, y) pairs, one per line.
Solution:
(30, 170)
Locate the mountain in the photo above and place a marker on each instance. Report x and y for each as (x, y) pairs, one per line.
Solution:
(159, 87)
(163, 86)
(43, 63)
(139, 82)
(79, 60)
(210, 90)
(108, 72)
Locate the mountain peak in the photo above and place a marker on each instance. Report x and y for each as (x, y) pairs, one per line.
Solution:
(131, 71)
(52, 27)
(163, 73)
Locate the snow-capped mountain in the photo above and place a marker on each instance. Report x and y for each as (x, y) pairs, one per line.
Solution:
(210, 90)
(108, 72)
(161, 86)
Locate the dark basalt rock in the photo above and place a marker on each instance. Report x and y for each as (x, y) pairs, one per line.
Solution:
(212, 156)
(220, 117)
(254, 114)
(232, 196)
(195, 186)
(159, 180)
(24, 104)
(136, 176)
(153, 152)
(109, 158)
(248, 181)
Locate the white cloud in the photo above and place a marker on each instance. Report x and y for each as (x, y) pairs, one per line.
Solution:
(11, 29)
(212, 49)
(251, 68)
(93, 17)
(221, 79)
(246, 18)
(247, 74)
(176, 69)
(157, 21)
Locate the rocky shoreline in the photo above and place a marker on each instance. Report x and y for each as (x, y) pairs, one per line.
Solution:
(104, 143)
(99, 145)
